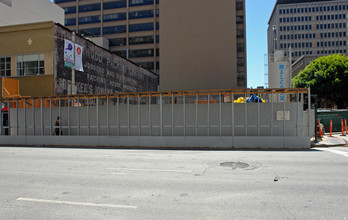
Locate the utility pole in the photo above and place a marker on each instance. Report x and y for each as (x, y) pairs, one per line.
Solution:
(73, 88)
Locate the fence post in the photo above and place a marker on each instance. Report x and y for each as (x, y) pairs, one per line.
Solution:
(309, 112)
(172, 114)
(139, 116)
(51, 130)
(220, 114)
(272, 108)
(25, 117)
(69, 124)
(258, 114)
(33, 114)
(118, 115)
(42, 118)
(150, 116)
(232, 125)
(284, 113)
(60, 118)
(97, 105)
(17, 123)
(78, 116)
(184, 106)
(196, 121)
(246, 114)
(107, 117)
(161, 115)
(88, 121)
(297, 111)
(208, 118)
(128, 115)
(1, 118)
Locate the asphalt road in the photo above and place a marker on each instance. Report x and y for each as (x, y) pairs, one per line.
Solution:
(54, 183)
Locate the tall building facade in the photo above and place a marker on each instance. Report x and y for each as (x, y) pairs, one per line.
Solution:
(131, 26)
(196, 44)
(308, 27)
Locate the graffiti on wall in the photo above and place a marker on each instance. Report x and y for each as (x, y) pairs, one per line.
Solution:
(104, 72)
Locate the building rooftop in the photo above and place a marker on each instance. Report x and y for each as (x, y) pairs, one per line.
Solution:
(286, 2)
(282, 2)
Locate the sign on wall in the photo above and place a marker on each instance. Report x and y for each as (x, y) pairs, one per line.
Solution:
(68, 54)
(78, 58)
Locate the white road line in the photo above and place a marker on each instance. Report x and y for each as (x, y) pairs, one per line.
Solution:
(151, 170)
(77, 203)
(343, 153)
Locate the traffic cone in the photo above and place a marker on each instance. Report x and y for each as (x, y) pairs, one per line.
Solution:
(342, 128)
(331, 128)
(320, 132)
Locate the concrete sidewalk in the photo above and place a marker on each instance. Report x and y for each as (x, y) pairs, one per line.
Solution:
(335, 140)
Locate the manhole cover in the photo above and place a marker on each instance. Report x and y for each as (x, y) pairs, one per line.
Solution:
(234, 165)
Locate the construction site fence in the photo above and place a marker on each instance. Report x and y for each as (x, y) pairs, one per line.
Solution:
(178, 113)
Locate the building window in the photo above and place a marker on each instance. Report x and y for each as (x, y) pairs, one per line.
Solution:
(115, 29)
(33, 64)
(240, 6)
(118, 42)
(62, 1)
(240, 20)
(241, 79)
(115, 17)
(141, 14)
(240, 61)
(146, 65)
(240, 47)
(90, 32)
(240, 33)
(111, 5)
(141, 53)
(89, 20)
(141, 40)
(70, 22)
(140, 2)
(121, 53)
(141, 27)
(85, 8)
(70, 10)
(5, 66)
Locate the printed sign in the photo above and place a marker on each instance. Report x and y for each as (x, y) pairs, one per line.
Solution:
(68, 54)
(78, 58)
(281, 68)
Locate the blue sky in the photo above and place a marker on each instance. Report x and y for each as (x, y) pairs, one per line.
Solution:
(257, 16)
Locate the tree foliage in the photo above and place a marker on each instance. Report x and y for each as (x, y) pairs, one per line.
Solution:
(328, 78)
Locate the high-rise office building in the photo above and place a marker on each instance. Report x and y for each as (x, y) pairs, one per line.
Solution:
(196, 44)
(308, 27)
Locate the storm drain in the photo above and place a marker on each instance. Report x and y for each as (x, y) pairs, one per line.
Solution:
(235, 165)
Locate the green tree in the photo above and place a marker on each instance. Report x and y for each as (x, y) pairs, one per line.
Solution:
(328, 78)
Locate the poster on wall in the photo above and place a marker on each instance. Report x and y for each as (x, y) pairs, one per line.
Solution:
(78, 58)
(68, 54)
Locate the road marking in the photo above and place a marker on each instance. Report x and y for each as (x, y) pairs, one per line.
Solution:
(151, 170)
(77, 203)
(343, 153)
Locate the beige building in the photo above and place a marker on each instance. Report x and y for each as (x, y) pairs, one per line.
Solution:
(29, 11)
(33, 65)
(202, 44)
(301, 63)
(197, 44)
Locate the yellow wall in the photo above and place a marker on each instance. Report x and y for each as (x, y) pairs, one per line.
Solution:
(30, 39)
